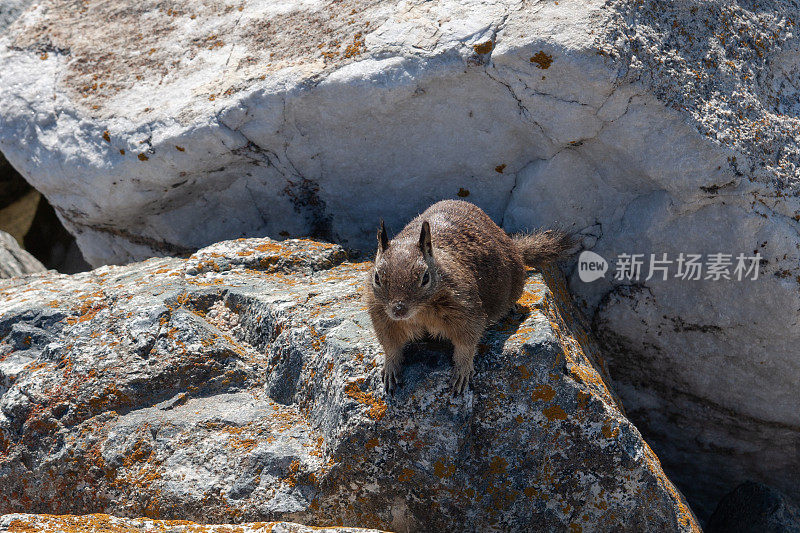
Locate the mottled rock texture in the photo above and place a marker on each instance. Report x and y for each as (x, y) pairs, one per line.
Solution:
(10, 10)
(14, 261)
(158, 127)
(102, 523)
(243, 384)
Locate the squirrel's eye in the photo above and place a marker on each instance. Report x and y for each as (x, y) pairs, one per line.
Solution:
(426, 278)
(377, 280)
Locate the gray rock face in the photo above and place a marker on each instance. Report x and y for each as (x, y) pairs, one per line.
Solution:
(14, 261)
(244, 384)
(100, 522)
(648, 127)
(10, 10)
(754, 508)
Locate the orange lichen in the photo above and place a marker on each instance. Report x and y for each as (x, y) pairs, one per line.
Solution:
(443, 470)
(554, 412)
(498, 465)
(530, 492)
(542, 60)
(377, 407)
(356, 48)
(609, 432)
(406, 475)
(544, 393)
(269, 247)
(87, 311)
(529, 299)
(483, 48)
(243, 444)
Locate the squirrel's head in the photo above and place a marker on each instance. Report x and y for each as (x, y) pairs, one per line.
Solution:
(405, 275)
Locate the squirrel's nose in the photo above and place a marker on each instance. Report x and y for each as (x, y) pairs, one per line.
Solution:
(400, 309)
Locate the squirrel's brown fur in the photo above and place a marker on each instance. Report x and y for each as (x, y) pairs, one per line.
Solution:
(450, 272)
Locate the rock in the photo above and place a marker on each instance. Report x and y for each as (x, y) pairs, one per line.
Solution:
(707, 369)
(14, 261)
(10, 10)
(754, 508)
(48, 240)
(647, 127)
(243, 384)
(103, 522)
(31, 220)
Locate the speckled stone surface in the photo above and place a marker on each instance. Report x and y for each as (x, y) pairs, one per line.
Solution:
(10, 10)
(242, 384)
(102, 523)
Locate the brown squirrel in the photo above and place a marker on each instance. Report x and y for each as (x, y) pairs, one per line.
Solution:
(449, 273)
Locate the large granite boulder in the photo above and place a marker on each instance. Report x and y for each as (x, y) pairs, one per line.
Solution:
(155, 128)
(243, 384)
(14, 261)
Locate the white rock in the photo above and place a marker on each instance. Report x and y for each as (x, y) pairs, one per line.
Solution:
(10, 10)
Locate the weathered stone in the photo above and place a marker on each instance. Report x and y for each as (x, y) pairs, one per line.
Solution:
(14, 261)
(754, 508)
(24, 523)
(10, 10)
(243, 384)
(648, 127)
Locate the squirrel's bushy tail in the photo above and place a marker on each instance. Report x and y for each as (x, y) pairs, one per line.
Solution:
(542, 247)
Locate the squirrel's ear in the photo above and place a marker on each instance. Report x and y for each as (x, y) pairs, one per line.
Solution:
(425, 245)
(383, 239)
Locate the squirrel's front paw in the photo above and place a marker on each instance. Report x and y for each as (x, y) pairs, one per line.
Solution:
(460, 379)
(391, 378)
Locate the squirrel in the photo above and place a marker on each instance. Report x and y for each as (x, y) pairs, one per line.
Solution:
(449, 273)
